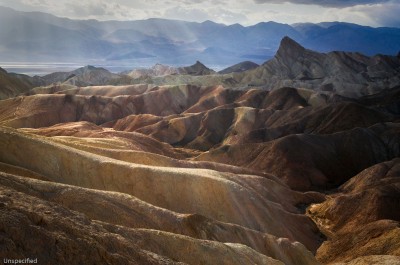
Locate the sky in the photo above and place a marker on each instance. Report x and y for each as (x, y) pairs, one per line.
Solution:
(375, 13)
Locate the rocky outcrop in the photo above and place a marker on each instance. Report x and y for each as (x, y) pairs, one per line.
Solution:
(196, 69)
(347, 74)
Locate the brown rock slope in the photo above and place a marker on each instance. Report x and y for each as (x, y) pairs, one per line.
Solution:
(307, 161)
(242, 204)
(208, 171)
(49, 109)
(199, 117)
(34, 222)
(252, 129)
(363, 218)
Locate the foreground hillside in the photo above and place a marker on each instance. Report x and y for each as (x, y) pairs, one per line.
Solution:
(145, 174)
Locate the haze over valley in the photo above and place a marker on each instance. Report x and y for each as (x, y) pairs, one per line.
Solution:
(41, 39)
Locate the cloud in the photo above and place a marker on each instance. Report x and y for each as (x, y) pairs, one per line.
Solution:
(245, 12)
(184, 13)
(380, 14)
(105, 10)
(324, 3)
(87, 10)
(200, 14)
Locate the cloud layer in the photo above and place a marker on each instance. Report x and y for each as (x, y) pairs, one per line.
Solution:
(324, 3)
(246, 12)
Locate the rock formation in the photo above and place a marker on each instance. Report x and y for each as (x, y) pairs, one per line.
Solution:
(347, 74)
(196, 69)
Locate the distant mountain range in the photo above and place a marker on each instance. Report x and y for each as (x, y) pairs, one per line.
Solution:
(36, 36)
(347, 74)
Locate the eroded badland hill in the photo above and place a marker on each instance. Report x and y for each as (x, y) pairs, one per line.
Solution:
(295, 162)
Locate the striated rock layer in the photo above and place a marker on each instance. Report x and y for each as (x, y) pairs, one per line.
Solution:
(163, 200)
(145, 174)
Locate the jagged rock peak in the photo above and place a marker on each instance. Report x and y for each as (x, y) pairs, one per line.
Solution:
(196, 69)
(198, 63)
(289, 47)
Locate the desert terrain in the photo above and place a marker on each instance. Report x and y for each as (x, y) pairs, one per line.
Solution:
(294, 161)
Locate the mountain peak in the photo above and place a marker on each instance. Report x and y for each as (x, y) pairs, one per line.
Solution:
(198, 63)
(196, 69)
(289, 47)
(287, 42)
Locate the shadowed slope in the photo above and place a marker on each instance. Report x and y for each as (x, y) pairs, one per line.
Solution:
(362, 218)
(320, 161)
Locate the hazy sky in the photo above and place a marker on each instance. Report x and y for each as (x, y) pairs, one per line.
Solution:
(245, 12)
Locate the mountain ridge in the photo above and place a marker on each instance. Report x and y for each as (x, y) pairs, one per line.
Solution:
(345, 73)
(177, 42)
(348, 74)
